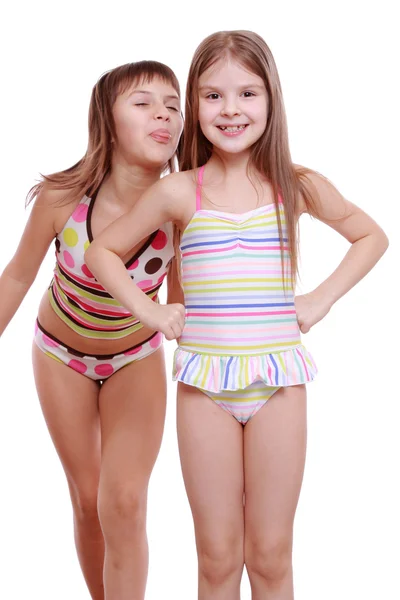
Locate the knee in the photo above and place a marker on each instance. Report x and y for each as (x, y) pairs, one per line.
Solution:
(269, 559)
(219, 561)
(123, 507)
(84, 501)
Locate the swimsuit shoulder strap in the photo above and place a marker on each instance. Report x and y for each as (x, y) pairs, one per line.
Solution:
(198, 187)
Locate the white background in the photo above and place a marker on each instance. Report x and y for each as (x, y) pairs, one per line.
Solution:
(339, 70)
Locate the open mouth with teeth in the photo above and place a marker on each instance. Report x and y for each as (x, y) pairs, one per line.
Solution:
(232, 129)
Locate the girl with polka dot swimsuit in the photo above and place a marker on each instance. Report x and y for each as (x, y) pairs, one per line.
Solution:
(241, 366)
(99, 371)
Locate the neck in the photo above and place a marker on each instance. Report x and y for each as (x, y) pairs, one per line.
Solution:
(234, 163)
(125, 184)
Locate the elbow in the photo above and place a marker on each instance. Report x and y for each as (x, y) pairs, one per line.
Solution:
(383, 241)
(378, 240)
(90, 256)
(96, 256)
(381, 244)
(386, 242)
(23, 276)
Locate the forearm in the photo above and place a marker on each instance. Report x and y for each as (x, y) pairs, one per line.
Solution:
(175, 291)
(359, 260)
(12, 292)
(110, 271)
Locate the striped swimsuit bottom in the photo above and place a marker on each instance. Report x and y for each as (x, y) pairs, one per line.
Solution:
(241, 340)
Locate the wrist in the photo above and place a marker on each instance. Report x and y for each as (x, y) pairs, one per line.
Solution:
(143, 308)
(323, 297)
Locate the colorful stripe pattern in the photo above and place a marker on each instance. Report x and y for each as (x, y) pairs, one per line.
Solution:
(244, 404)
(80, 300)
(241, 323)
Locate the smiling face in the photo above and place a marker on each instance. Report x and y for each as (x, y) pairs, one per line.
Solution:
(148, 124)
(233, 107)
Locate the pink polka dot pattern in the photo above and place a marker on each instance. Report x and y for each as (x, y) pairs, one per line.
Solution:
(77, 365)
(85, 270)
(92, 366)
(104, 370)
(133, 351)
(134, 265)
(146, 283)
(69, 261)
(160, 241)
(80, 213)
(156, 341)
(49, 342)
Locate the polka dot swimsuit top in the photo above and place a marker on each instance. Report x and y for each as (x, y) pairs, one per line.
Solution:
(77, 297)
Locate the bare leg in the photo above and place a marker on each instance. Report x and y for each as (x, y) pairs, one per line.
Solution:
(69, 403)
(211, 451)
(132, 410)
(274, 451)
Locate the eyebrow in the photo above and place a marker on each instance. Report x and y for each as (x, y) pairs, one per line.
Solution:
(168, 97)
(251, 85)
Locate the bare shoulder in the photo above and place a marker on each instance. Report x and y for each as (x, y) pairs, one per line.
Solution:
(173, 191)
(319, 196)
(54, 205)
(40, 230)
(178, 184)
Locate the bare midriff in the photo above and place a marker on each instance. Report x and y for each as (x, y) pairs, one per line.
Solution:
(57, 328)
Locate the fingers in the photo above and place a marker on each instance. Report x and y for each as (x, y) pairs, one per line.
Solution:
(174, 332)
(169, 334)
(175, 321)
(181, 315)
(304, 328)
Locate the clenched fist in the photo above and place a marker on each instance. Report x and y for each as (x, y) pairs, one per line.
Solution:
(167, 318)
(309, 311)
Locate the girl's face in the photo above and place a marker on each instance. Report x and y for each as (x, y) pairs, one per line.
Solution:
(233, 106)
(148, 124)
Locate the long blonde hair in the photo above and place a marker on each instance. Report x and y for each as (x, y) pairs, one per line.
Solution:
(270, 155)
(86, 175)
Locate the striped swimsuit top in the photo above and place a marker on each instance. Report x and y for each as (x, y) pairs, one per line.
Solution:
(241, 320)
(77, 297)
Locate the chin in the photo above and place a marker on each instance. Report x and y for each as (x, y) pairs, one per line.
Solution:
(156, 161)
(234, 148)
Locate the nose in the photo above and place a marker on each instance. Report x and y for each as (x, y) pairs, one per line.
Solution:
(230, 108)
(161, 112)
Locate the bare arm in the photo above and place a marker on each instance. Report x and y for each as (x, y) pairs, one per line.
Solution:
(158, 205)
(368, 244)
(175, 291)
(21, 271)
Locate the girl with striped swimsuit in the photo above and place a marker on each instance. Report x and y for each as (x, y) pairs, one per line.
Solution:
(240, 364)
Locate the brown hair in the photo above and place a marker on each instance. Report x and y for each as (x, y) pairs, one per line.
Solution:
(270, 155)
(86, 175)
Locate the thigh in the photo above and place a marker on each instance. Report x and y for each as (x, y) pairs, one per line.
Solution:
(69, 403)
(211, 453)
(274, 457)
(132, 411)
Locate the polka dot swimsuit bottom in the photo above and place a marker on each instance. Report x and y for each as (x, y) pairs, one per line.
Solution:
(94, 366)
